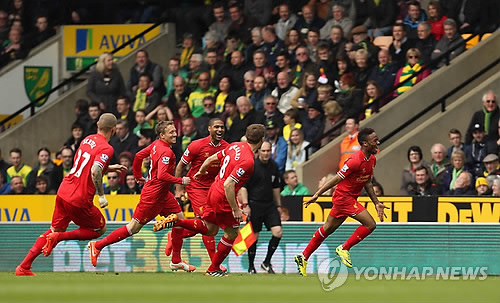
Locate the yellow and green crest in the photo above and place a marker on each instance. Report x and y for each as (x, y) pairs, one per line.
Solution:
(37, 82)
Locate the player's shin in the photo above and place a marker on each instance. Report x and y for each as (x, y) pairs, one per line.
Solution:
(116, 236)
(318, 238)
(223, 249)
(196, 225)
(359, 234)
(177, 239)
(35, 250)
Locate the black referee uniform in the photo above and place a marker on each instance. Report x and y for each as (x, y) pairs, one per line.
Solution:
(265, 178)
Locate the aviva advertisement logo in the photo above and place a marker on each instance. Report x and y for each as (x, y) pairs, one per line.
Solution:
(83, 39)
(93, 40)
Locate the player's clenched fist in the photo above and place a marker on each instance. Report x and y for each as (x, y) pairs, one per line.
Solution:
(102, 201)
(237, 214)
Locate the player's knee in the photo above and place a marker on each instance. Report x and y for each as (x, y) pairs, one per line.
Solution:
(371, 226)
(102, 231)
(278, 233)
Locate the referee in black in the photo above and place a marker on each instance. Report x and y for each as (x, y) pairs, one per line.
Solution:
(261, 197)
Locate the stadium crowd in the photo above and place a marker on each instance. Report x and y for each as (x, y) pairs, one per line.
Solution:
(298, 68)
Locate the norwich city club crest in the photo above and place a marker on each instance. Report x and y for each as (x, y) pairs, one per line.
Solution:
(37, 82)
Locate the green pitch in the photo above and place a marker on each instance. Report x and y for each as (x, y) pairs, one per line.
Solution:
(195, 287)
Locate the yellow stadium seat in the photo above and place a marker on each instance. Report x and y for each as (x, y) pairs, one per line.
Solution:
(472, 42)
(485, 36)
(383, 41)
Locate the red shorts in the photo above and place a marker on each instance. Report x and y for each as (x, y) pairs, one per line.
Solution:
(222, 219)
(65, 212)
(146, 211)
(198, 198)
(346, 210)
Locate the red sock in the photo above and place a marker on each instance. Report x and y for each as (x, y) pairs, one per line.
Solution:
(317, 239)
(359, 234)
(223, 249)
(188, 233)
(79, 234)
(177, 233)
(35, 250)
(196, 225)
(116, 236)
(209, 245)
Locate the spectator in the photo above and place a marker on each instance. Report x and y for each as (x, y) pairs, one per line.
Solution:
(285, 91)
(188, 49)
(272, 113)
(94, 114)
(241, 23)
(312, 43)
(123, 140)
(327, 65)
(495, 187)
(450, 40)
(283, 63)
(372, 93)
(4, 186)
(482, 187)
(144, 66)
(195, 100)
(286, 21)
(423, 185)
(230, 113)
(291, 119)
(260, 92)
(415, 15)
(293, 187)
(272, 45)
(349, 144)
(44, 168)
(343, 67)
(360, 40)
(114, 187)
(221, 25)
(279, 147)
(76, 138)
(307, 94)
(41, 186)
(162, 113)
(4, 165)
(145, 138)
(233, 43)
(452, 173)
(18, 168)
(175, 70)
(491, 165)
(456, 142)
(333, 112)
(313, 124)
(426, 42)
(194, 71)
(467, 13)
(213, 63)
(296, 149)
(308, 20)
(439, 163)
(4, 25)
(209, 114)
(257, 43)
(339, 19)
(125, 159)
(13, 48)
(246, 117)
(132, 188)
(248, 79)
(189, 132)
(304, 65)
(337, 42)
(495, 145)
(183, 113)
(477, 150)
(487, 116)
(350, 97)
(82, 112)
(63, 169)
(17, 186)
(141, 123)
(179, 94)
(292, 41)
(413, 65)
(400, 45)
(464, 185)
(378, 189)
(415, 159)
(261, 66)
(362, 68)
(105, 83)
(42, 31)
(436, 19)
(146, 97)
(222, 93)
(235, 70)
(124, 112)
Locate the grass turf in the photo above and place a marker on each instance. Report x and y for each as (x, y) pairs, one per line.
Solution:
(195, 287)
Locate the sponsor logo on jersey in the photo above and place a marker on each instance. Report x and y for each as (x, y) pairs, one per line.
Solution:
(186, 152)
(240, 172)
(165, 159)
(344, 168)
(104, 157)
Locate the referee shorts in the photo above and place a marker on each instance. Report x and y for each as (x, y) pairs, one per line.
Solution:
(266, 213)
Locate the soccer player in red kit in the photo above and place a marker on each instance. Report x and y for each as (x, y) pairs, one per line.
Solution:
(195, 154)
(156, 198)
(74, 201)
(237, 162)
(355, 175)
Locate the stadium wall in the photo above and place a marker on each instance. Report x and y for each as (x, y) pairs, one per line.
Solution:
(392, 245)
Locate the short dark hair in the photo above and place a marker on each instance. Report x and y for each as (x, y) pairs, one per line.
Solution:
(255, 133)
(43, 149)
(144, 51)
(364, 133)
(218, 4)
(16, 150)
(94, 104)
(122, 122)
(284, 54)
(145, 75)
(417, 149)
(455, 131)
(127, 100)
(376, 184)
(76, 125)
(148, 133)
(82, 105)
(41, 179)
(422, 167)
(213, 120)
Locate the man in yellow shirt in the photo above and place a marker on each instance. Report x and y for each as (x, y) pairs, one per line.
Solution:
(204, 89)
(18, 168)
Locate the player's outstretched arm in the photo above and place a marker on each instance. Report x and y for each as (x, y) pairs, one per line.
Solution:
(204, 167)
(334, 181)
(378, 205)
(96, 172)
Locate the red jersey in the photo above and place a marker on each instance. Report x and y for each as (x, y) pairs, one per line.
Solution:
(196, 153)
(236, 163)
(357, 170)
(161, 170)
(77, 187)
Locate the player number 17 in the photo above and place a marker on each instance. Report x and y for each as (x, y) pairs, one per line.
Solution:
(86, 158)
